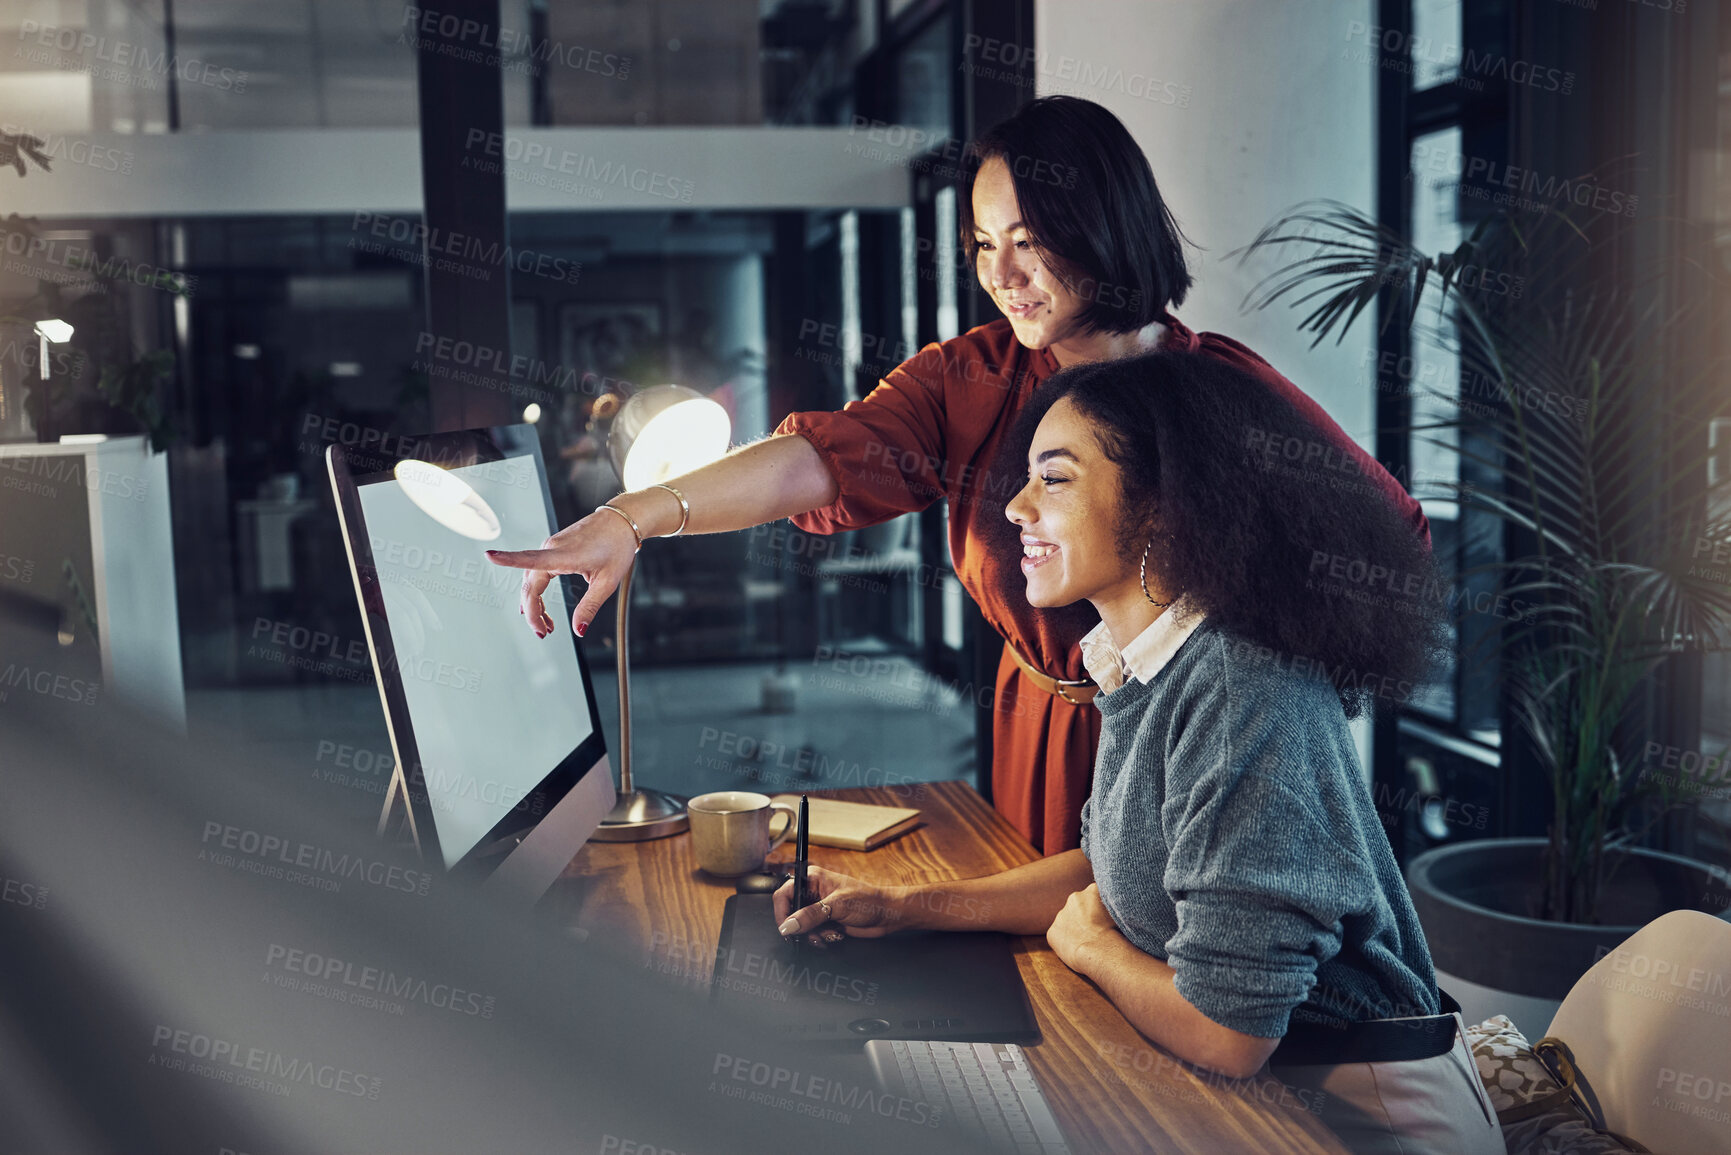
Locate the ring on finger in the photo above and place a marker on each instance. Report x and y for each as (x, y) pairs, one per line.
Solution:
(824, 906)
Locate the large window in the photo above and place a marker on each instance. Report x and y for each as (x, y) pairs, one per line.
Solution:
(1439, 126)
(113, 66)
(1478, 119)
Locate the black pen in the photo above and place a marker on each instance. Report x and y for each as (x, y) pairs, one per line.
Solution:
(801, 852)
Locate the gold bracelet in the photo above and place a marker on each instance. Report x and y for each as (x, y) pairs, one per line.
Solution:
(635, 532)
(684, 508)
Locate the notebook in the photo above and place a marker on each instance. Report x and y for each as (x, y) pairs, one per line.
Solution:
(854, 825)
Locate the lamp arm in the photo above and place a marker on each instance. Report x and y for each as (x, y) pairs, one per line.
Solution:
(622, 656)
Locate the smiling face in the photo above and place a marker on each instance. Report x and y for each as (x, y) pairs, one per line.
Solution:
(1041, 310)
(1070, 517)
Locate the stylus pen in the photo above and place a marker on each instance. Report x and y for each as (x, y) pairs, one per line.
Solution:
(801, 851)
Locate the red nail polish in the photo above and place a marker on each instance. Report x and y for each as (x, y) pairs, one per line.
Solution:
(581, 627)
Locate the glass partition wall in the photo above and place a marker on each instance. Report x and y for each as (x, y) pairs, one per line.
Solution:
(250, 340)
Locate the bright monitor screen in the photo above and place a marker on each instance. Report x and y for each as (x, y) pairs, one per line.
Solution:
(494, 709)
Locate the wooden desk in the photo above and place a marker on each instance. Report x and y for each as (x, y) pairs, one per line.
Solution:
(1113, 1091)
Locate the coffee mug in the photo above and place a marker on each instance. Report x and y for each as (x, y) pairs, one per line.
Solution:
(730, 830)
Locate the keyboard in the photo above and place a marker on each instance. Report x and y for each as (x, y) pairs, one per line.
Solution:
(986, 1088)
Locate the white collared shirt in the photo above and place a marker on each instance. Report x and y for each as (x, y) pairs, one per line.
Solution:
(1147, 653)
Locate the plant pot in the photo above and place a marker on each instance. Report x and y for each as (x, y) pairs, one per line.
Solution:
(19, 369)
(1473, 900)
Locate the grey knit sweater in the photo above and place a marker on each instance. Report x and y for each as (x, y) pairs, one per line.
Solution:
(1232, 835)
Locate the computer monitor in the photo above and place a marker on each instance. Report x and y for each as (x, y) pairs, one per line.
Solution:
(500, 756)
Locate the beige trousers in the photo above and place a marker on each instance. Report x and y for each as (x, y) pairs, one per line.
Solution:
(1433, 1106)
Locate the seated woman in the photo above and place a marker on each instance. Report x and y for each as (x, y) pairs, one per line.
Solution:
(1234, 895)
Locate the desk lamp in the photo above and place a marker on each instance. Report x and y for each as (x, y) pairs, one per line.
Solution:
(658, 433)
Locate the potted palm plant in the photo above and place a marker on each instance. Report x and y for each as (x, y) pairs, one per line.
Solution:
(1611, 566)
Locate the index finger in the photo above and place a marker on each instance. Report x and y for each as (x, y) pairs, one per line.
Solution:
(520, 558)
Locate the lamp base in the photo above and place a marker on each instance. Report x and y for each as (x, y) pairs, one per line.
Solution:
(642, 815)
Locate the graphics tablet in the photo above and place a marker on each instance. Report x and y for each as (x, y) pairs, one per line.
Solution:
(958, 986)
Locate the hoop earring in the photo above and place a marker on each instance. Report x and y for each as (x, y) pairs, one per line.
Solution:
(1145, 592)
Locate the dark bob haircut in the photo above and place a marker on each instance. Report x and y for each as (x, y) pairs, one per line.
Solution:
(1089, 198)
(1310, 563)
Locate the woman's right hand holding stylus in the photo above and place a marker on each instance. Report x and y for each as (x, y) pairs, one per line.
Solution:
(839, 905)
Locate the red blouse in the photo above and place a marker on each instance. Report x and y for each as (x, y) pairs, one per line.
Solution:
(933, 429)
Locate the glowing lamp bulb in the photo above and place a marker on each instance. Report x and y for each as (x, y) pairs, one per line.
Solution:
(678, 439)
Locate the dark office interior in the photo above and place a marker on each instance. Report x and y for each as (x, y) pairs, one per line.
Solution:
(239, 209)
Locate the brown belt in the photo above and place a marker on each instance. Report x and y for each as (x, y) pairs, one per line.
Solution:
(1077, 693)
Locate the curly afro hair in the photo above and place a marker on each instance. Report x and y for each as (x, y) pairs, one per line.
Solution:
(1297, 553)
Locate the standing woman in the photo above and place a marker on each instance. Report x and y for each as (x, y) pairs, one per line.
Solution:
(1072, 241)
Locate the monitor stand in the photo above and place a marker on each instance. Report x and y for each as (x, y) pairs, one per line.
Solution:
(538, 858)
